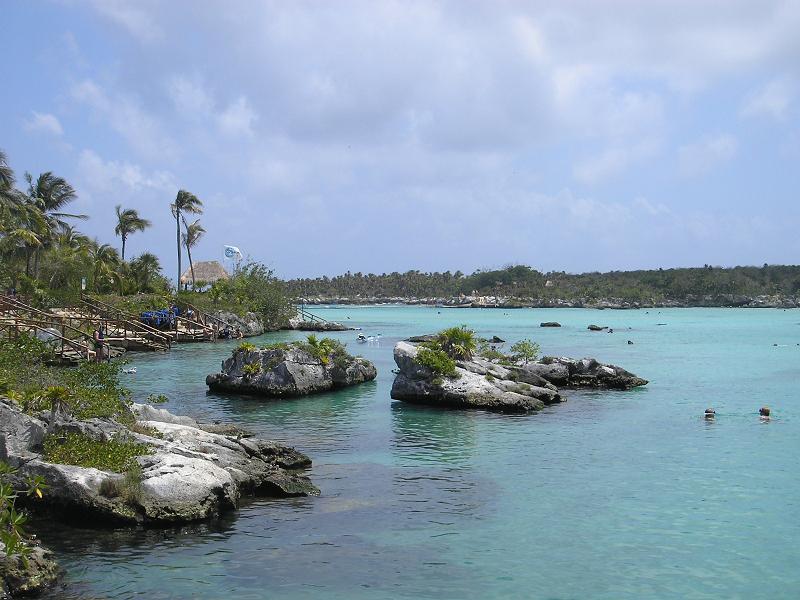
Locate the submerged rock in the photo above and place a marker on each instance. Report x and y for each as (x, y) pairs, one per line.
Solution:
(189, 474)
(288, 370)
(30, 576)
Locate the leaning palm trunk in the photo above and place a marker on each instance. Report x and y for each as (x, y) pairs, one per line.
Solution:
(191, 264)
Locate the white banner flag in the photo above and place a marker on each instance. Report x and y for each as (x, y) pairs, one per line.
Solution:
(231, 251)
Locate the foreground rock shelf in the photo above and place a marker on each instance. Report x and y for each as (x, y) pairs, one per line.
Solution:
(291, 370)
(490, 385)
(191, 472)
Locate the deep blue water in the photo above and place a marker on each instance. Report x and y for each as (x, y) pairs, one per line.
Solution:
(610, 495)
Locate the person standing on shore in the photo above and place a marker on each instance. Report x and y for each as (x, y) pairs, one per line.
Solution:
(98, 343)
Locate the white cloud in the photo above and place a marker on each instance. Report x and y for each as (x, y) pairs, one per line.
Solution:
(123, 113)
(190, 97)
(136, 18)
(772, 100)
(44, 123)
(614, 160)
(119, 177)
(238, 118)
(706, 154)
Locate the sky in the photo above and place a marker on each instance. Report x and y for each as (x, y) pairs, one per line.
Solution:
(376, 136)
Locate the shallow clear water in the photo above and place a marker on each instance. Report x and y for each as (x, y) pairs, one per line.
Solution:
(610, 495)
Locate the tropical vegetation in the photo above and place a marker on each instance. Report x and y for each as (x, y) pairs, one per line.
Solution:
(46, 258)
(524, 282)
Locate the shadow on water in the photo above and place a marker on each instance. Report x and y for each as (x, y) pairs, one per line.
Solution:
(321, 422)
(127, 542)
(432, 435)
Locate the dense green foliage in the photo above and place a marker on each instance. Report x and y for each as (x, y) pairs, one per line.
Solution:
(457, 342)
(87, 391)
(440, 354)
(252, 288)
(430, 355)
(525, 282)
(12, 521)
(44, 257)
(323, 349)
(116, 455)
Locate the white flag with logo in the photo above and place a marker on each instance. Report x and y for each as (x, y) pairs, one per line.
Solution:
(231, 251)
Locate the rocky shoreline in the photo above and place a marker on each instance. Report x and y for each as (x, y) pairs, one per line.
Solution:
(186, 471)
(691, 301)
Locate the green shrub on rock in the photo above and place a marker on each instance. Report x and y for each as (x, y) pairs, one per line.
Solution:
(114, 455)
(458, 342)
(436, 360)
(251, 369)
(245, 347)
(525, 350)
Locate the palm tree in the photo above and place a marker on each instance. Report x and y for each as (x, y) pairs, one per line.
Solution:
(106, 265)
(193, 234)
(6, 173)
(128, 222)
(49, 194)
(144, 268)
(185, 202)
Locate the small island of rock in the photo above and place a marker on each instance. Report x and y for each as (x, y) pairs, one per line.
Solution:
(291, 369)
(455, 369)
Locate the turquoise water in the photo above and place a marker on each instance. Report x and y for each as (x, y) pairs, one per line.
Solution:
(610, 495)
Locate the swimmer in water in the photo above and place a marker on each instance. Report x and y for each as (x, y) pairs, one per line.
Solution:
(764, 413)
(709, 414)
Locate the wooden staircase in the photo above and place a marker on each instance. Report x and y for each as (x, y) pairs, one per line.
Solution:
(70, 344)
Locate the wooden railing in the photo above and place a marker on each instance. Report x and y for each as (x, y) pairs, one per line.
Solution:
(307, 316)
(127, 322)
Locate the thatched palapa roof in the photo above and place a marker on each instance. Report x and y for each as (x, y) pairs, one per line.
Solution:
(207, 270)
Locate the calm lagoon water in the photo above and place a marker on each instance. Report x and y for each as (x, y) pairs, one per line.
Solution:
(610, 495)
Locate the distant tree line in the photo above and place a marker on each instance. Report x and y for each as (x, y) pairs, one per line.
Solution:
(521, 281)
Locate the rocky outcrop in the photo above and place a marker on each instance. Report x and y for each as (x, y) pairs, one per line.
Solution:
(583, 373)
(250, 324)
(300, 324)
(31, 576)
(550, 324)
(487, 384)
(289, 370)
(189, 474)
(478, 383)
(597, 327)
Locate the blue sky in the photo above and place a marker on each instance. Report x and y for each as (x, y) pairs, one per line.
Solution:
(381, 136)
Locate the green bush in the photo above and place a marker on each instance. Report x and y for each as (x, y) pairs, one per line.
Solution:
(436, 359)
(458, 342)
(525, 350)
(115, 455)
(323, 349)
(12, 533)
(251, 370)
(157, 399)
(485, 350)
(245, 347)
